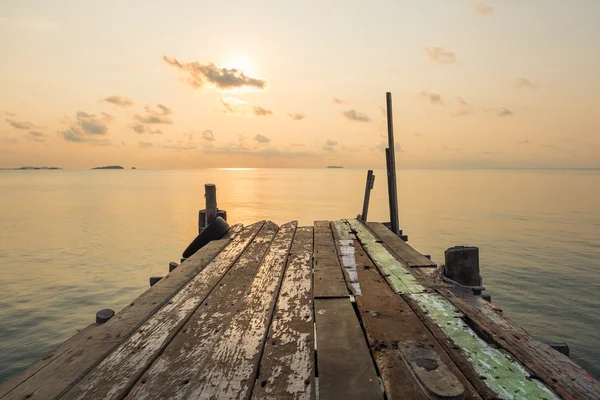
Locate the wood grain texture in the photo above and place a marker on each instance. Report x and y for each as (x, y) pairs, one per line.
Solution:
(328, 277)
(406, 254)
(287, 364)
(116, 374)
(556, 370)
(392, 327)
(216, 353)
(345, 366)
(66, 365)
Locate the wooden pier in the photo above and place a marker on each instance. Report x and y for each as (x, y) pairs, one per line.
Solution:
(338, 310)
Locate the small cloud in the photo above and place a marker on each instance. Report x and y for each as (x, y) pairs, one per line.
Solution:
(119, 101)
(74, 134)
(180, 146)
(37, 136)
(208, 135)
(200, 75)
(504, 112)
(337, 100)
(144, 145)
(155, 116)
(434, 98)
(227, 105)
(463, 108)
(438, 54)
(462, 101)
(354, 115)
(481, 8)
(330, 145)
(297, 117)
(10, 114)
(20, 124)
(525, 83)
(525, 142)
(262, 139)
(90, 123)
(261, 112)
(141, 129)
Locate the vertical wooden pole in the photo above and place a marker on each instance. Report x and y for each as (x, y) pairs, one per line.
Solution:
(370, 182)
(210, 192)
(391, 166)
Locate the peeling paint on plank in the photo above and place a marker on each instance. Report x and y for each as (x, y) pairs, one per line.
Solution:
(286, 367)
(401, 280)
(346, 246)
(117, 372)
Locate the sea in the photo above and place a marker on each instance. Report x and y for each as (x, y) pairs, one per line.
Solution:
(73, 242)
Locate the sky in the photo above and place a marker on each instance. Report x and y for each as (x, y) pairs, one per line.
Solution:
(189, 84)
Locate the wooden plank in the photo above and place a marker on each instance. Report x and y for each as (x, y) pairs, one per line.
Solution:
(345, 366)
(556, 370)
(501, 375)
(117, 373)
(216, 354)
(328, 277)
(396, 335)
(287, 365)
(408, 256)
(65, 366)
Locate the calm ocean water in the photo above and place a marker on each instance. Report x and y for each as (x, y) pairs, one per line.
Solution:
(73, 242)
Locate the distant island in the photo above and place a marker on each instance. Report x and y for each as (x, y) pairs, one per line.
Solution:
(109, 167)
(28, 168)
(334, 166)
(133, 168)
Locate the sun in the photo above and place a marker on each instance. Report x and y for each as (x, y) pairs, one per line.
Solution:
(241, 63)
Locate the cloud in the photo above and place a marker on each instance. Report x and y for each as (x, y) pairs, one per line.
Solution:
(464, 108)
(119, 101)
(75, 135)
(144, 145)
(208, 135)
(384, 145)
(439, 55)
(462, 101)
(200, 75)
(141, 129)
(330, 145)
(337, 100)
(481, 8)
(434, 98)
(261, 112)
(159, 116)
(20, 124)
(10, 114)
(90, 123)
(525, 142)
(37, 136)
(180, 146)
(525, 83)
(504, 112)
(353, 115)
(227, 105)
(297, 117)
(262, 139)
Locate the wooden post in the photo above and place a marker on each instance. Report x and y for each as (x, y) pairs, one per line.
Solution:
(154, 280)
(172, 266)
(462, 266)
(391, 168)
(104, 315)
(210, 192)
(369, 186)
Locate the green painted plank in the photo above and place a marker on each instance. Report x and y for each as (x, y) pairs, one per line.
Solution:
(399, 278)
(503, 375)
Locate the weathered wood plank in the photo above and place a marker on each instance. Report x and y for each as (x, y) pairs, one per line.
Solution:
(344, 240)
(399, 277)
(556, 370)
(408, 256)
(393, 329)
(287, 365)
(64, 366)
(328, 276)
(217, 353)
(345, 366)
(117, 373)
(502, 376)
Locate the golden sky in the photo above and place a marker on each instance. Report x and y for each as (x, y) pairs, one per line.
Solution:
(189, 84)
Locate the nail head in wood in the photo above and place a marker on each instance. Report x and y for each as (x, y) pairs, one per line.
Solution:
(104, 315)
(561, 347)
(462, 265)
(154, 280)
